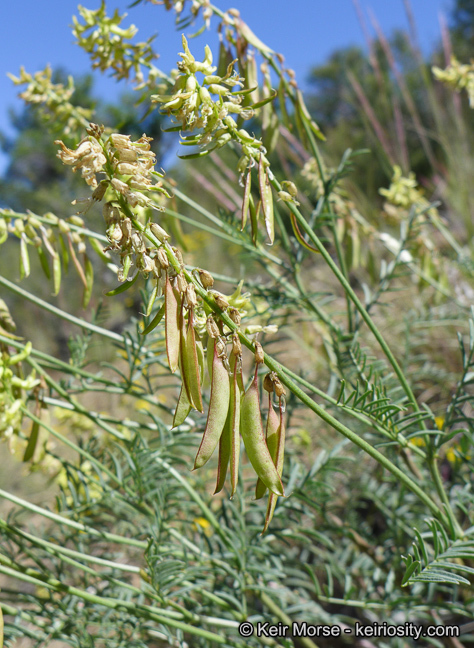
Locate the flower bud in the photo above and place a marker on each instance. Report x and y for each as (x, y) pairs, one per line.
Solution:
(159, 232)
(63, 226)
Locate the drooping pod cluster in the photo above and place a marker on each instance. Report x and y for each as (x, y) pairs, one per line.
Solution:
(234, 413)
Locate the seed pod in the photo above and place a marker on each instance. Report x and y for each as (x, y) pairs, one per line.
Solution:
(254, 215)
(254, 440)
(271, 434)
(224, 454)
(189, 361)
(89, 275)
(236, 389)
(56, 273)
(172, 331)
(151, 301)
(183, 408)
(218, 409)
(246, 198)
(280, 455)
(267, 199)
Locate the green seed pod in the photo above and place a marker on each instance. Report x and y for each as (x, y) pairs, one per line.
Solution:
(246, 199)
(254, 216)
(218, 409)
(271, 434)
(280, 455)
(267, 200)
(236, 389)
(89, 275)
(189, 362)
(172, 331)
(254, 440)
(224, 454)
(182, 408)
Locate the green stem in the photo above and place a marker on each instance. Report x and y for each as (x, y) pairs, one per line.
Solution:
(356, 439)
(62, 314)
(71, 523)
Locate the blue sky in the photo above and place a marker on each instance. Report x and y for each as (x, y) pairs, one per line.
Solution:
(35, 33)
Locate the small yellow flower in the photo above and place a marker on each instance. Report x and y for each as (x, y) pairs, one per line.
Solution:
(201, 523)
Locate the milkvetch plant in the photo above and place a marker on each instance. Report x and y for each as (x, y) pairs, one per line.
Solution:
(294, 357)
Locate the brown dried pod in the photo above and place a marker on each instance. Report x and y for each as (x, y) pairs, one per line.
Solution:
(191, 296)
(259, 355)
(221, 301)
(235, 315)
(236, 345)
(268, 383)
(178, 255)
(181, 283)
(212, 328)
(279, 389)
(206, 278)
(162, 258)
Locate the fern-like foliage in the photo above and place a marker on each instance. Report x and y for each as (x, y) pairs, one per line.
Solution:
(440, 561)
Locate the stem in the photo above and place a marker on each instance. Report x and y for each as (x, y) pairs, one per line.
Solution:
(62, 314)
(71, 523)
